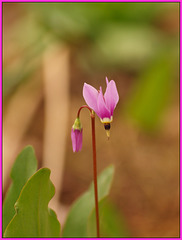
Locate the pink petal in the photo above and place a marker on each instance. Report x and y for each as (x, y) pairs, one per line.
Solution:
(90, 95)
(111, 96)
(79, 140)
(103, 111)
(73, 139)
(76, 137)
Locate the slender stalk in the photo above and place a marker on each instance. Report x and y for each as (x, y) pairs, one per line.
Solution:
(84, 106)
(95, 173)
(94, 164)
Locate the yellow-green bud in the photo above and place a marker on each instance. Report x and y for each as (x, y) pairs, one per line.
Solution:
(77, 124)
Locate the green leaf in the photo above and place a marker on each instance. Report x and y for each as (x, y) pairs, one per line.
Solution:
(153, 90)
(33, 218)
(76, 224)
(24, 167)
(112, 224)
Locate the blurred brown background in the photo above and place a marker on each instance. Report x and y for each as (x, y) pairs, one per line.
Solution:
(49, 51)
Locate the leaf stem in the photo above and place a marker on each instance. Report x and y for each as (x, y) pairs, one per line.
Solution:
(92, 115)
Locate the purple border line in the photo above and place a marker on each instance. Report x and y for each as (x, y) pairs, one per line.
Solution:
(180, 114)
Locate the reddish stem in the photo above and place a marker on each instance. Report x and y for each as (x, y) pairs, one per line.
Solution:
(95, 173)
(84, 106)
(94, 164)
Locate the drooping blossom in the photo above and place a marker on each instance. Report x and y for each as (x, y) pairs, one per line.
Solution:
(103, 105)
(76, 135)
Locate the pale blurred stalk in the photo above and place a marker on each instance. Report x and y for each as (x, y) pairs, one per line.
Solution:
(56, 89)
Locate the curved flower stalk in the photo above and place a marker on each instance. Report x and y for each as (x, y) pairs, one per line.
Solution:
(103, 105)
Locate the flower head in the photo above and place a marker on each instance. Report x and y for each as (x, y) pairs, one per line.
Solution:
(76, 135)
(103, 105)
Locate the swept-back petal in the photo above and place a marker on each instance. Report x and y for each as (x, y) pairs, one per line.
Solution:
(111, 96)
(90, 95)
(103, 111)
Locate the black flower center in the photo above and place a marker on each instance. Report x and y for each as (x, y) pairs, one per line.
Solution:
(107, 126)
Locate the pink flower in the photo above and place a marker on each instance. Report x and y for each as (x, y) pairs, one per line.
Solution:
(76, 135)
(103, 105)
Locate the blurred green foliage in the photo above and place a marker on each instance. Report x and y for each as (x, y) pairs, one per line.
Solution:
(24, 167)
(33, 218)
(72, 21)
(78, 217)
(26, 201)
(153, 91)
(112, 223)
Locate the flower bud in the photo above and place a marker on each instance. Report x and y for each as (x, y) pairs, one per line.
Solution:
(76, 135)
